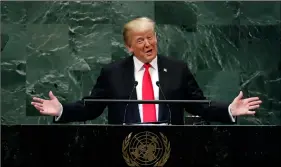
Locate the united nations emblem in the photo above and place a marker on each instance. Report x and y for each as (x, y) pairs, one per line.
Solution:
(146, 149)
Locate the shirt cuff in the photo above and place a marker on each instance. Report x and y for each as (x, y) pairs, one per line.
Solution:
(60, 113)
(230, 114)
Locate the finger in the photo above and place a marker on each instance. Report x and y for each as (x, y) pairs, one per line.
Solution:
(36, 99)
(240, 96)
(43, 112)
(254, 107)
(38, 104)
(255, 103)
(51, 95)
(251, 112)
(251, 99)
(39, 108)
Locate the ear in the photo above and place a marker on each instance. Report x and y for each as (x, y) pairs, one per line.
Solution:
(130, 49)
(155, 36)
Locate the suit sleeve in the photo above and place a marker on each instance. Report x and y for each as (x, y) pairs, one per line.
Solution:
(77, 111)
(217, 111)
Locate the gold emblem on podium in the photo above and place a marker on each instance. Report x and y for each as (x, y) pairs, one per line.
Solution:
(146, 149)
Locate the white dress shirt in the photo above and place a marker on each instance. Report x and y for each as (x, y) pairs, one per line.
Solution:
(139, 72)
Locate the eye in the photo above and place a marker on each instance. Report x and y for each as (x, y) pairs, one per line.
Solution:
(140, 40)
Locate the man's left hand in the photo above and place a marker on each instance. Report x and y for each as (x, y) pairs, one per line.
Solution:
(247, 106)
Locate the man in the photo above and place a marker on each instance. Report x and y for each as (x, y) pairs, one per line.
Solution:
(117, 81)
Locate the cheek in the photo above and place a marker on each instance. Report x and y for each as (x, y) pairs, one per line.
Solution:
(139, 48)
(154, 42)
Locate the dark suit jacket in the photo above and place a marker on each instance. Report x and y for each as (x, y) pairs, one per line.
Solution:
(116, 81)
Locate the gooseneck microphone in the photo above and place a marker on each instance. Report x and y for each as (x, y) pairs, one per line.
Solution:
(135, 85)
(158, 84)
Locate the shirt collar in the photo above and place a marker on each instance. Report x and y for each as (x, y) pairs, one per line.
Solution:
(139, 64)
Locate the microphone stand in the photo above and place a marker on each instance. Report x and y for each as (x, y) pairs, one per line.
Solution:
(170, 114)
(125, 112)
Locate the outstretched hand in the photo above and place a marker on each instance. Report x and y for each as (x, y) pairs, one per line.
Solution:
(50, 107)
(247, 106)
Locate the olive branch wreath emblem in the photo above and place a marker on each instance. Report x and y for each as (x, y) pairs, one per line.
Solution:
(133, 163)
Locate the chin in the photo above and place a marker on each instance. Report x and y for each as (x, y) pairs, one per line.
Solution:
(150, 57)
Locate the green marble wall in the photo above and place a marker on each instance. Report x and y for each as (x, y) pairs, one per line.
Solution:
(61, 46)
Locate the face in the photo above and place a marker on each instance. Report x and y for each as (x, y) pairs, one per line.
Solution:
(143, 44)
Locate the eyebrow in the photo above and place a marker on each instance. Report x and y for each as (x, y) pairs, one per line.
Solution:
(139, 38)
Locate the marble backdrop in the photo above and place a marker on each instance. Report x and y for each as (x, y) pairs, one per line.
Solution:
(61, 46)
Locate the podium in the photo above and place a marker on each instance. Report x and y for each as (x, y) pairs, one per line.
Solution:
(168, 146)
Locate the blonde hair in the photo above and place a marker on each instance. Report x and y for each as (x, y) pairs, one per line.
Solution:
(135, 25)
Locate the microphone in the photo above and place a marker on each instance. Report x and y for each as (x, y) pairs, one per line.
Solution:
(135, 85)
(158, 84)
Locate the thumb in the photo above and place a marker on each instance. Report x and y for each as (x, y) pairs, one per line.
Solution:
(51, 95)
(240, 96)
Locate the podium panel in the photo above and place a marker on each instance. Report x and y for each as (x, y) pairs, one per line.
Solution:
(168, 146)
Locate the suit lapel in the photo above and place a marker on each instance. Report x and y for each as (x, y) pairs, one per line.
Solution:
(128, 80)
(163, 72)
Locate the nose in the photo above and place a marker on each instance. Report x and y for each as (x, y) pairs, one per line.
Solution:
(147, 43)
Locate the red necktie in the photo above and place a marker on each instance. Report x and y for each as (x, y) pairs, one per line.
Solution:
(149, 111)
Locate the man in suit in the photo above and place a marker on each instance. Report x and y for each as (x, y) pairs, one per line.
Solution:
(145, 67)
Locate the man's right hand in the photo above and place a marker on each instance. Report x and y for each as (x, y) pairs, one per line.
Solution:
(50, 107)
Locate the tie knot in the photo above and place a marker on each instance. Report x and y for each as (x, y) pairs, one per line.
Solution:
(146, 66)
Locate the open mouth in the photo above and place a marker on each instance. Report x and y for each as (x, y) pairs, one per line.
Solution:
(149, 52)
